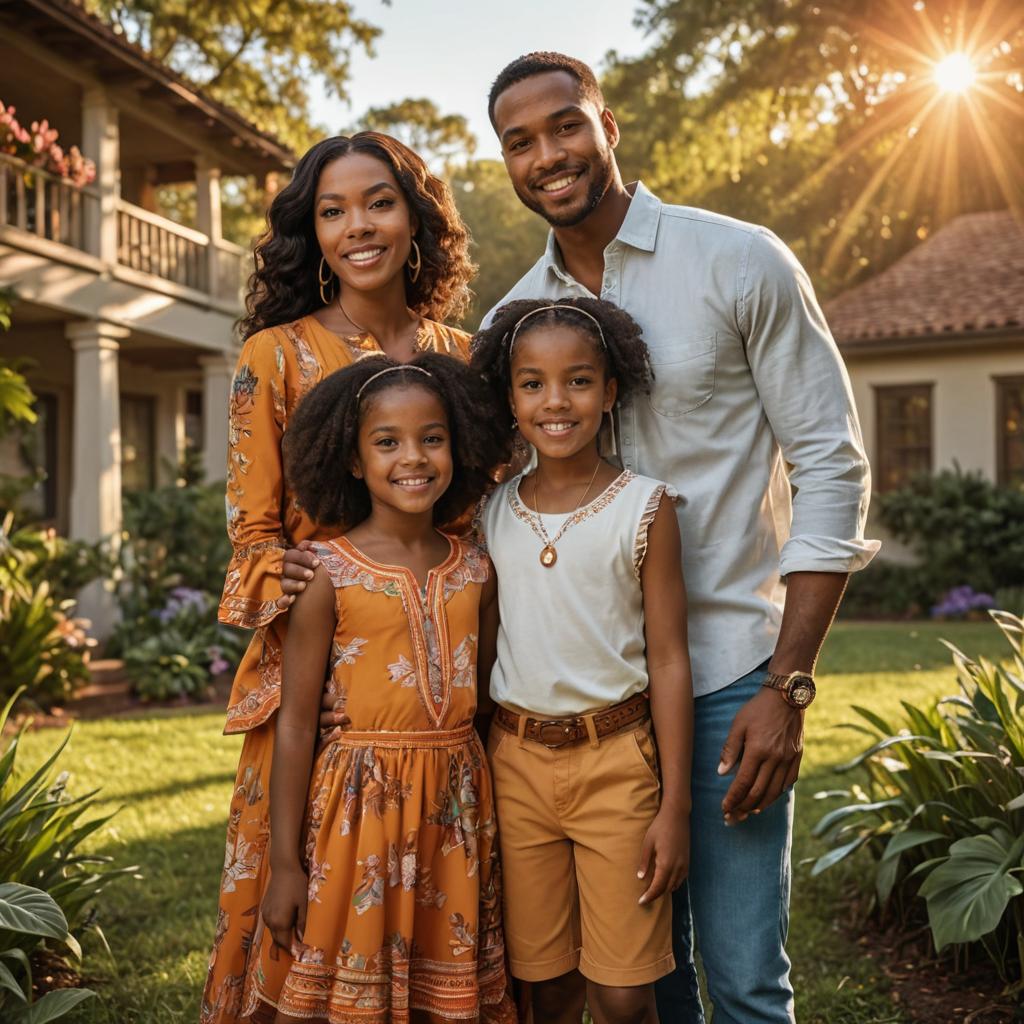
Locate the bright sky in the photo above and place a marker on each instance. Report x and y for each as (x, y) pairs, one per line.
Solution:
(451, 50)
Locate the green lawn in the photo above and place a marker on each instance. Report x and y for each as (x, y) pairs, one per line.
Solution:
(171, 773)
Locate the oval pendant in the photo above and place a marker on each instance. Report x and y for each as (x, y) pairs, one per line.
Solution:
(548, 556)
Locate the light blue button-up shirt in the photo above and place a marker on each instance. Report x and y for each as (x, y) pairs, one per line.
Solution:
(748, 383)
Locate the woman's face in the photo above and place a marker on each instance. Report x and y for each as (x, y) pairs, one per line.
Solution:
(363, 222)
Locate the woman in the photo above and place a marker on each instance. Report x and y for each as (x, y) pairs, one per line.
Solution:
(365, 252)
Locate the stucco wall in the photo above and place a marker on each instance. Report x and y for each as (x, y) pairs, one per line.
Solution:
(963, 404)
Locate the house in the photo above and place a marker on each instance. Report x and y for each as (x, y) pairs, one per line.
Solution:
(934, 346)
(127, 316)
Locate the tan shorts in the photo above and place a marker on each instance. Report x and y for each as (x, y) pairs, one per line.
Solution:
(571, 823)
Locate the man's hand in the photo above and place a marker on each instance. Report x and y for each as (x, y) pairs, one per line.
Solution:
(284, 906)
(770, 736)
(299, 563)
(667, 847)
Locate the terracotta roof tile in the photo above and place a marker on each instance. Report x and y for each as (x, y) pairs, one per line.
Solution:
(967, 278)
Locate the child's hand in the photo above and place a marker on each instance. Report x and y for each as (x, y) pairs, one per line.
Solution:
(667, 847)
(296, 571)
(284, 906)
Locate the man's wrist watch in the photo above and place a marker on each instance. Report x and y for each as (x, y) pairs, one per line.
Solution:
(797, 688)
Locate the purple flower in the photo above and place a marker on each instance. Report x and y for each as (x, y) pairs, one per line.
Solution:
(961, 600)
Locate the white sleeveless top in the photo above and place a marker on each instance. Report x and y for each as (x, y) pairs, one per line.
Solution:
(572, 635)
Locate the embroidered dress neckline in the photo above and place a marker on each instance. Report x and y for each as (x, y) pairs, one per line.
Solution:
(445, 565)
(614, 486)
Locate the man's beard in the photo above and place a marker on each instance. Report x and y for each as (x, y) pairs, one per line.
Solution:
(599, 184)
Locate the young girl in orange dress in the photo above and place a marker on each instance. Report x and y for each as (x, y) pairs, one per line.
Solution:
(365, 253)
(383, 902)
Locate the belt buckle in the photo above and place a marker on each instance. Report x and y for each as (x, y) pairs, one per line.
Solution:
(564, 725)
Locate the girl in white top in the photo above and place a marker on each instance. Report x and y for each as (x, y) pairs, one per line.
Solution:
(592, 613)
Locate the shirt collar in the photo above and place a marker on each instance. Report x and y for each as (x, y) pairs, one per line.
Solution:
(639, 229)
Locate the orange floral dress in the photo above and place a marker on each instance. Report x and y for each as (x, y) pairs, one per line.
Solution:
(404, 908)
(276, 369)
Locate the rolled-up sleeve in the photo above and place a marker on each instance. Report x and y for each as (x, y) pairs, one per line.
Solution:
(805, 391)
(255, 486)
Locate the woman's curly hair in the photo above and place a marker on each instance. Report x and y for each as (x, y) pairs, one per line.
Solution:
(321, 442)
(625, 353)
(284, 286)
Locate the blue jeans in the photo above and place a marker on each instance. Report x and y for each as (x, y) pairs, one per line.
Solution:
(738, 890)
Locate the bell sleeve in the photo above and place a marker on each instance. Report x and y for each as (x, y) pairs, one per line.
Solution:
(255, 485)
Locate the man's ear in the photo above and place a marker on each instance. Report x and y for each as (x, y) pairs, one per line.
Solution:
(611, 127)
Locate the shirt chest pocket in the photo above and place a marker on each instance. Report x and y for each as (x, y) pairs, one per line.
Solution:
(684, 374)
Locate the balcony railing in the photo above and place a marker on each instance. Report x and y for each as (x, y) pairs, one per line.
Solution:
(155, 245)
(44, 204)
(53, 209)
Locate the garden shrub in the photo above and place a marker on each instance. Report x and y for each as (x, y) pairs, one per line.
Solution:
(174, 537)
(962, 528)
(50, 887)
(44, 649)
(941, 809)
(173, 559)
(186, 648)
(887, 590)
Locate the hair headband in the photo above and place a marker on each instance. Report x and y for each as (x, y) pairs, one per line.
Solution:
(557, 305)
(389, 369)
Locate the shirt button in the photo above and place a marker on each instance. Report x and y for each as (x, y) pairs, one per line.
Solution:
(627, 439)
(437, 698)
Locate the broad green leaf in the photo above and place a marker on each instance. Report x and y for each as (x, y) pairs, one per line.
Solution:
(30, 911)
(9, 982)
(908, 839)
(53, 1005)
(968, 894)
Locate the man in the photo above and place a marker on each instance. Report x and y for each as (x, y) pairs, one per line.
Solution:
(747, 380)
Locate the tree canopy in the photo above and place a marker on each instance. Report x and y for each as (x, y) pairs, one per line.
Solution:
(823, 119)
(443, 140)
(258, 57)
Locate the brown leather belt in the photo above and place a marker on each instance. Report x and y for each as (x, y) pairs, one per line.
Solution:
(566, 732)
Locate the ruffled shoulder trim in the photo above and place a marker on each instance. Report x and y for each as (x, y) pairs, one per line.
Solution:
(647, 517)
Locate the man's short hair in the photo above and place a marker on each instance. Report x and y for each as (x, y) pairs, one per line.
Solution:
(539, 63)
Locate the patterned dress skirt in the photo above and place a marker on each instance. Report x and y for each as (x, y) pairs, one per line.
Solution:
(404, 905)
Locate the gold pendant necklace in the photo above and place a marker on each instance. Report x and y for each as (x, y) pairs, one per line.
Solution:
(548, 553)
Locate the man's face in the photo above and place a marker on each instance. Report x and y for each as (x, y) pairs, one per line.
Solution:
(557, 146)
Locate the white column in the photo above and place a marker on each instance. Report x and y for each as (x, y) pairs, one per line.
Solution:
(170, 429)
(208, 218)
(96, 452)
(101, 142)
(217, 374)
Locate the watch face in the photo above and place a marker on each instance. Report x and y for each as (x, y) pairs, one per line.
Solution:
(801, 692)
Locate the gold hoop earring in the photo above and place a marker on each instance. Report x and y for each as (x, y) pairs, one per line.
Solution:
(323, 282)
(414, 265)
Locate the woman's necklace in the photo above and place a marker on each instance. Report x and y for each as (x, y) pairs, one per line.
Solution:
(416, 345)
(361, 330)
(548, 554)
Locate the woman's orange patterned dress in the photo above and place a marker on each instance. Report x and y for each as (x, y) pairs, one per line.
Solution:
(276, 368)
(404, 905)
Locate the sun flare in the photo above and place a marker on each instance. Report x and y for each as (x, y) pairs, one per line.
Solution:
(955, 73)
